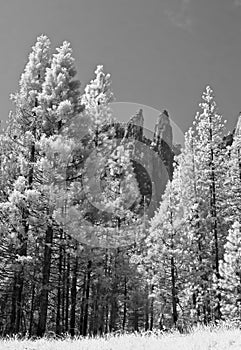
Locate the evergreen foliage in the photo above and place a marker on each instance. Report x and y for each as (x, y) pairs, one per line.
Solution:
(77, 255)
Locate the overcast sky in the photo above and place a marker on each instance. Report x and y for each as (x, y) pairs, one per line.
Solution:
(160, 53)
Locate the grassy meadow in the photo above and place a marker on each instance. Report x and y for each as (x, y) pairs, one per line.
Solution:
(201, 338)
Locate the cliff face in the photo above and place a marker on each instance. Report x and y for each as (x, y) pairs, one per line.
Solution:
(163, 129)
(228, 139)
(156, 167)
(238, 126)
(135, 125)
(152, 163)
(159, 164)
(137, 119)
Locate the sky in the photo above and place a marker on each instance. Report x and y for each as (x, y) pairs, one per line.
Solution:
(160, 53)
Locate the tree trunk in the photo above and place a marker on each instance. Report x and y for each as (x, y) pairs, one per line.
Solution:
(125, 305)
(214, 217)
(13, 306)
(73, 297)
(64, 275)
(146, 310)
(59, 293)
(114, 292)
(22, 251)
(152, 310)
(96, 313)
(45, 282)
(136, 320)
(174, 296)
(81, 324)
(31, 310)
(86, 309)
(67, 294)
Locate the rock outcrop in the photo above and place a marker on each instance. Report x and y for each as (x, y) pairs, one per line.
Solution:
(228, 139)
(238, 126)
(138, 118)
(135, 125)
(158, 169)
(163, 129)
(152, 162)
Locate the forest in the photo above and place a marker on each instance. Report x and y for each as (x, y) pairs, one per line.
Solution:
(89, 245)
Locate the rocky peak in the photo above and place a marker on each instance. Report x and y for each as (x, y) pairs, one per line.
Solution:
(135, 125)
(137, 119)
(163, 129)
(238, 126)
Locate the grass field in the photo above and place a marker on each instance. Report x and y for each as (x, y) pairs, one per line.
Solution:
(221, 338)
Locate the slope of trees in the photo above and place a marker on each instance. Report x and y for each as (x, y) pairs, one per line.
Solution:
(69, 262)
(187, 235)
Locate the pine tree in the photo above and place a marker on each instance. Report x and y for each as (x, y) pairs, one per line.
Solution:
(232, 189)
(165, 254)
(97, 98)
(21, 130)
(59, 102)
(230, 269)
(209, 129)
(195, 296)
(199, 176)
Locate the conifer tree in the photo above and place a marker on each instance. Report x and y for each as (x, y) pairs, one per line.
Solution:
(165, 254)
(230, 270)
(232, 189)
(209, 129)
(22, 133)
(108, 208)
(97, 98)
(200, 176)
(59, 102)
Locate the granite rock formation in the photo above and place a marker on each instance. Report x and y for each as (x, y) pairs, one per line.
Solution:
(163, 129)
(135, 125)
(155, 166)
(238, 126)
(228, 139)
(158, 169)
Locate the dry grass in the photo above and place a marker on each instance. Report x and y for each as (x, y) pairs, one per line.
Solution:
(209, 338)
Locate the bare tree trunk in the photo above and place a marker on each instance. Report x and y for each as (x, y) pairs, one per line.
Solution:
(125, 305)
(59, 293)
(96, 315)
(22, 251)
(107, 318)
(102, 317)
(113, 313)
(174, 296)
(67, 294)
(64, 275)
(136, 320)
(81, 324)
(86, 309)
(31, 310)
(114, 305)
(45, 282)
(73, 297)
(146, 309)
(13, 306)
(152, 310)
